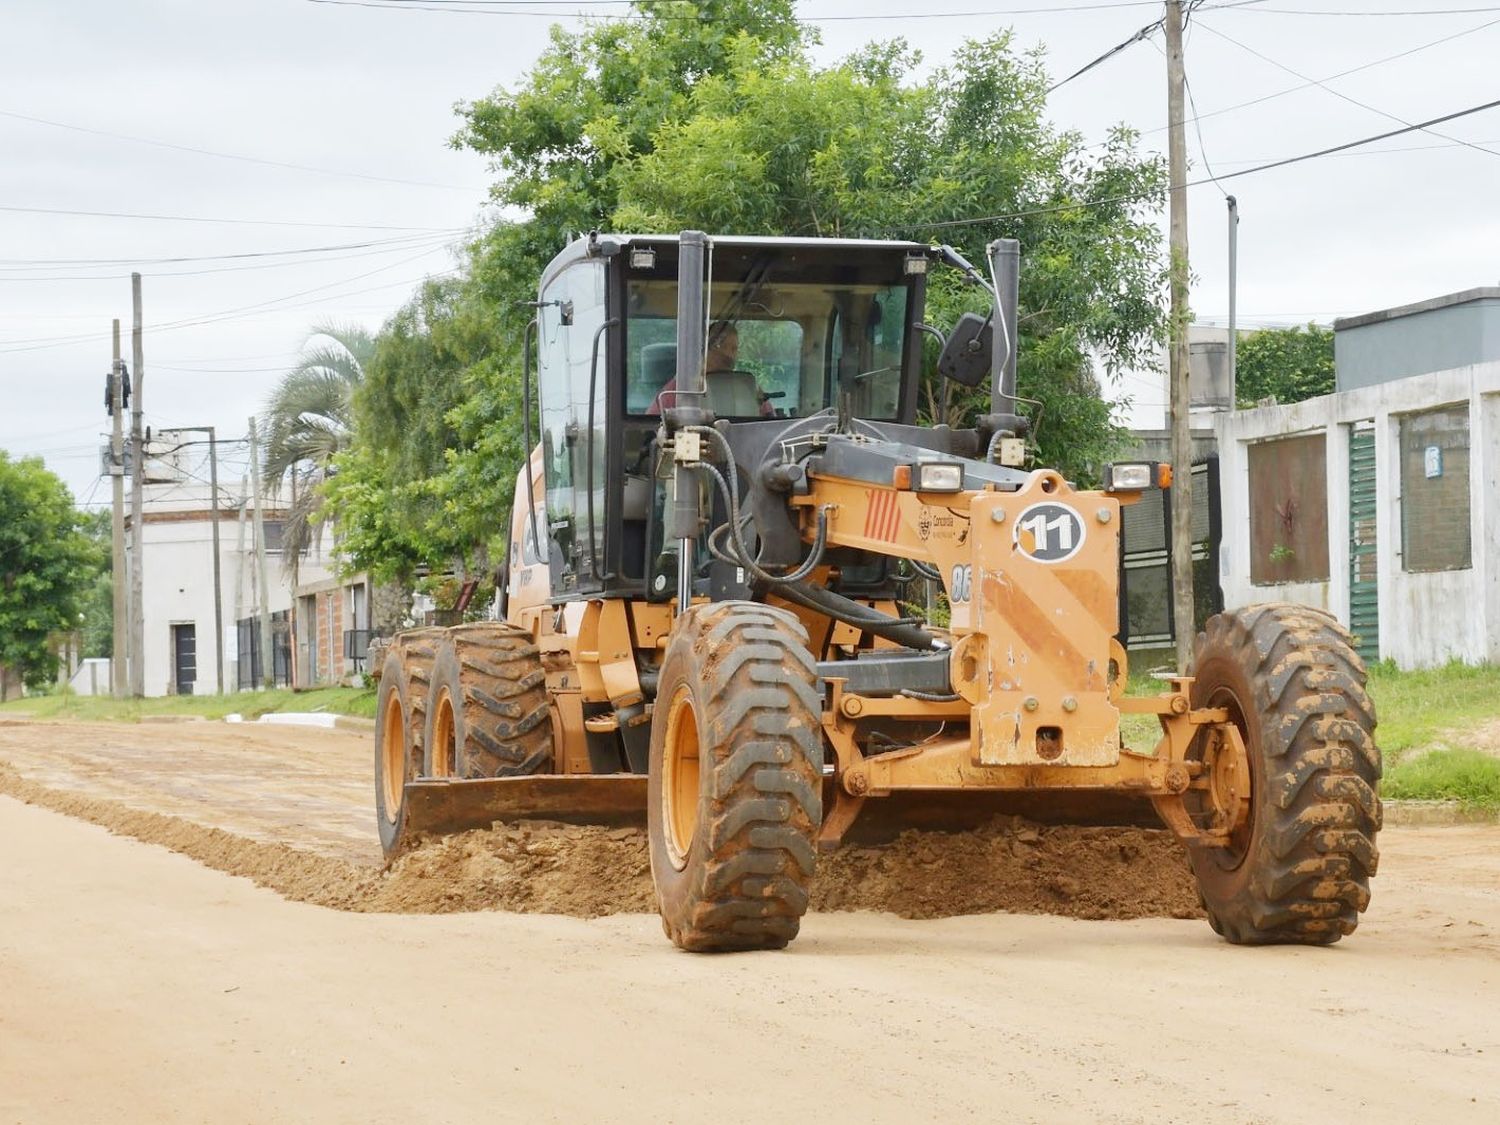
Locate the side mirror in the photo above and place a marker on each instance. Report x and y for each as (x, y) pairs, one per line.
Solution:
(966, 356)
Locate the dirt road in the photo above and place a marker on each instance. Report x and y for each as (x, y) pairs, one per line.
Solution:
(138, 985)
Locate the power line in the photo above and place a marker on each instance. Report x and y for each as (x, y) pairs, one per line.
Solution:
(1351, 100)
(1187, 88)
(405, 244)
(1053, 209)
(1347, 12)
(200, 219)
(1140, 36)
(1331, 77)
(502, 8)
(39, 343)
(1377, 151)
(144, 261)
(225, 155)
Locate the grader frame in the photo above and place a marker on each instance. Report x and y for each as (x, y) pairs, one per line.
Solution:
(763, 710)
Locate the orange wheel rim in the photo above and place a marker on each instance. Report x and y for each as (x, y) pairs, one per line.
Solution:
(393, 756)
(444, 745)
(681, 776)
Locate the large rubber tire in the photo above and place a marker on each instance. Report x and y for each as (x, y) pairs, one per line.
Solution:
(397, 759)
(735, 788)
(488, 714)
(417, 649)
(1300, 869)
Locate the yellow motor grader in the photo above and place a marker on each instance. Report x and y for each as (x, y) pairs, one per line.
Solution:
(715, 611)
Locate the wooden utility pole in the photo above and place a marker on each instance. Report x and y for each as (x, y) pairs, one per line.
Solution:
(213, 507)
(1178, 356)
(267, 656)
(137, 479)
(119, 680)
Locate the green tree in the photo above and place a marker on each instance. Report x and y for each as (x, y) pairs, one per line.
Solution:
(861, 150)
(98, 625)
(46, 565)
(309, 420)
(1287, 364)
(714, 115)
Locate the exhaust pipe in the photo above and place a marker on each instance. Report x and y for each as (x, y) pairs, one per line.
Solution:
(689, 405)
(1005, 272)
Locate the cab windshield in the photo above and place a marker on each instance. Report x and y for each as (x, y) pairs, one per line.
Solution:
(776, 349)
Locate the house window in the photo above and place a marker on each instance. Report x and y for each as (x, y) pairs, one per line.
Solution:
(1289, 510)
(1435, 490)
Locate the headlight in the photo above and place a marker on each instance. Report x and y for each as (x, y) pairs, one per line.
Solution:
(939, 476)
(1136, 476)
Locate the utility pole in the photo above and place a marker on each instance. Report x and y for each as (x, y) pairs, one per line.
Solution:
(213, 484)
(1234, 281)
(137, 480)
(119, 680)
(267, 657)
(1178, 355)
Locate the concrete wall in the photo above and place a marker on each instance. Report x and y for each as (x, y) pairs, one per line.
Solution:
(1425, 618)
(1457, 330)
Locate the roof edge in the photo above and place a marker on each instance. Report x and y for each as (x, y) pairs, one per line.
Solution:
(1463, 297)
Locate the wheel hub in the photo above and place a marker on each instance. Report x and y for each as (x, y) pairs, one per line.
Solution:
(681, 770)
(392, 756)
(1225, 781)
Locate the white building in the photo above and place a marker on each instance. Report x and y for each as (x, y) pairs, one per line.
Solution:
(182, 602)
(1380, 503)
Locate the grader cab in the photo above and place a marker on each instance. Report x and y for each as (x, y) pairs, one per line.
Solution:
(716, 612)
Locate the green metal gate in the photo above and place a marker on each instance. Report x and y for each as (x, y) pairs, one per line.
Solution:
(1364, 599)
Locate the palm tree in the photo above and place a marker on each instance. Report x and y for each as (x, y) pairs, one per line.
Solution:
(310, 418)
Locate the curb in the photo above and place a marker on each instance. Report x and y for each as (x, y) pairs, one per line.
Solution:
(356, 723)
(1434, 814)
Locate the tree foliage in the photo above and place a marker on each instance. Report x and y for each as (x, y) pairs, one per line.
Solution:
(310, 419)
(97, 627)
(714, 115)
(1287, 364)
(46, 565)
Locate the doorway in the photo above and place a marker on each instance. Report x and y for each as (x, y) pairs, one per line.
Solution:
(184, 658)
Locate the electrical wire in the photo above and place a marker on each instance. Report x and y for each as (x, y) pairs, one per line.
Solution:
(1137, 197)
(11, 346)
(75, 213)
(228, 155)
(16, 274)
(502, 8)
(1359, 12)
(1327, 78)
(94, 263)
(1336, 93)
(1140, 36)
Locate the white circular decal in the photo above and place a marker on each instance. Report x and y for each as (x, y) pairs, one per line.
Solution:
(1049, 532)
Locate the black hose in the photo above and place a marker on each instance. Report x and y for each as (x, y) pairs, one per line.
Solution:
(902, 630)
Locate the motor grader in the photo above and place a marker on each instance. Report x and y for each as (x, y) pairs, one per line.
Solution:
(720, 611)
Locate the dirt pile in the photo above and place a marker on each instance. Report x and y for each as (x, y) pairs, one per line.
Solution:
(1010, 865)
(1014, 865)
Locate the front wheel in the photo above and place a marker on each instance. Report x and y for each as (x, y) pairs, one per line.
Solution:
(1299, 861)
(734, 793)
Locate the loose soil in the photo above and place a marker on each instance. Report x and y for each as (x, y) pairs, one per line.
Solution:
(546, 868)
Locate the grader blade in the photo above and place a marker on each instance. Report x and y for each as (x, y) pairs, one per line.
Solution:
(436, 806)
(881, 819)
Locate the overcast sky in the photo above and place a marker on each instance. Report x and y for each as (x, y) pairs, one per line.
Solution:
(344, 112)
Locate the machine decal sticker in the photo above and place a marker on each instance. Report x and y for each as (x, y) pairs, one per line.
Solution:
(883, 516)
(1049, 533)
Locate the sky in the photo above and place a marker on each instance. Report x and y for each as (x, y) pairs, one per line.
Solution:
(268, 165)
